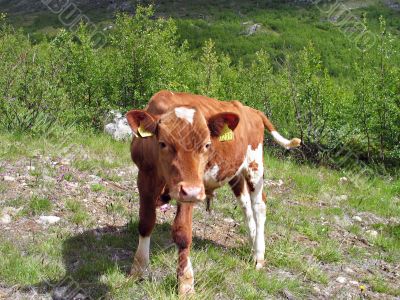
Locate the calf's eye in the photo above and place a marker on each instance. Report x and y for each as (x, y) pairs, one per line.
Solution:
(162, 145)
(207, 146)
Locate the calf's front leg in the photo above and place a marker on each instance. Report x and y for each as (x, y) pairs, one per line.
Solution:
(149, 189)
(182, 235)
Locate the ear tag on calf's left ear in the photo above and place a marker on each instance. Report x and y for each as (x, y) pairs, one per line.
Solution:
(143, 132)
(226, 134)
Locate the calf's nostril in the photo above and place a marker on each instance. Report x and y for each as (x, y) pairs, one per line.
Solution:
(183, 192)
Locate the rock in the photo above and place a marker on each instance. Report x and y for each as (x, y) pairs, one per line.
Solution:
(48, 220)
(343, 197)
(165, 207)
(317, 289)
(30, 168)
(253, 29)
(8, 178)
(94, 178)
(288, 295)
(372, 233)
(341, 279)
(344, 221)
(353, 282)
(5, 219)
(59, 293)
(357, 219)
(229, 220)
(343, 180)
(349, 270)
(119, 128)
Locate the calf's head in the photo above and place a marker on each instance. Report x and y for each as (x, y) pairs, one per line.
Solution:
(185, 142)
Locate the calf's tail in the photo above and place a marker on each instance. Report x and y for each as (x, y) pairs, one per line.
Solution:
(285, 143)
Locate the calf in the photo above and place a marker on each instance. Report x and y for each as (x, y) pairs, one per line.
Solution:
(185, 147)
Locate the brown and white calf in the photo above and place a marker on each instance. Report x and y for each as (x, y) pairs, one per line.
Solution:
(185, 147)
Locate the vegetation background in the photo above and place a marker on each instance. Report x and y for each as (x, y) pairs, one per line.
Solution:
(309, 67)
(333, 205)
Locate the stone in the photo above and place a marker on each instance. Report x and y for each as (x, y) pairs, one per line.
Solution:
(349, 270)
(48, 220)
(30, 168)
(357, 219)
(5, 219)
(353, 282)
(372, 233)
(8, 178)
(119, 128)
(343, 180)
(341, 279)
(253, 29)
(229, 220)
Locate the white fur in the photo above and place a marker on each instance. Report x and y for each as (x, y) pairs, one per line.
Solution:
(185, 113)
(280, 139)
(210, 176)
(143, 250)
(186, 281)
(255, 156)
(258, 205)
(245, 202)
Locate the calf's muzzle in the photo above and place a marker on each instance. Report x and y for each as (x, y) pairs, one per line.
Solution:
(189, 192)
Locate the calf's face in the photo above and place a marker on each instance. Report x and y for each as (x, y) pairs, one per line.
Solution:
(185, 142)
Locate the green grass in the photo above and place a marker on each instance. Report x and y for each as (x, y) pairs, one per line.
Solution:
(38, 205)
(300, 228)
(79, 215)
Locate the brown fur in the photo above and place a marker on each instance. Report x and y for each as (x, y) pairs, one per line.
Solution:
(177, 156)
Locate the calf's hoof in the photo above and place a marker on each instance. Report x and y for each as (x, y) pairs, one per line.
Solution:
(186, 282)
(185, 290)
(260, 264)
(138, 270)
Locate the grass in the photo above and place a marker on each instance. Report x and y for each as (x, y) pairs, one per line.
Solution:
(79, 215)
(38, 205)
(302, 240)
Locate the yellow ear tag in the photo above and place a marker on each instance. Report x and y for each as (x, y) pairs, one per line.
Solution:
(143, 132)
(226, 134)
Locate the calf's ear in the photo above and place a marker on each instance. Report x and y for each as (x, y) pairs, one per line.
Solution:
(217, 123)
(142, 123)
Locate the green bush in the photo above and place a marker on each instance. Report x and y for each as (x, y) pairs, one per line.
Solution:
(66, 80)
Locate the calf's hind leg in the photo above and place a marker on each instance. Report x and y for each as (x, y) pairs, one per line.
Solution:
(149, 190)
(241, 190)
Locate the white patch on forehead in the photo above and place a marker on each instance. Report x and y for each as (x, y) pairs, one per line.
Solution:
(185, 113)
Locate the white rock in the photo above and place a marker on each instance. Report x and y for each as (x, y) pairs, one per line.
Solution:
(253, 29)
(372, 233)
(119, 128)
(357, 219)
(343, 180)
(348, 270)
(48, 219)
(30, 168)
(8, 178)
(5, 219)
(341, 279)
(353, 282)
(343, 197)
(229, 220)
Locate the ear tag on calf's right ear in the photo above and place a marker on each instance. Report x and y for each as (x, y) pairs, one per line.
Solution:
(143, 132)
(226, 134)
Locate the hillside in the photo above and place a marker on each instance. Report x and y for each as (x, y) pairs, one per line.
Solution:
(285, 27)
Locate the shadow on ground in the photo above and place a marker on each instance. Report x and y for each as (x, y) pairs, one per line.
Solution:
(90, 255)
